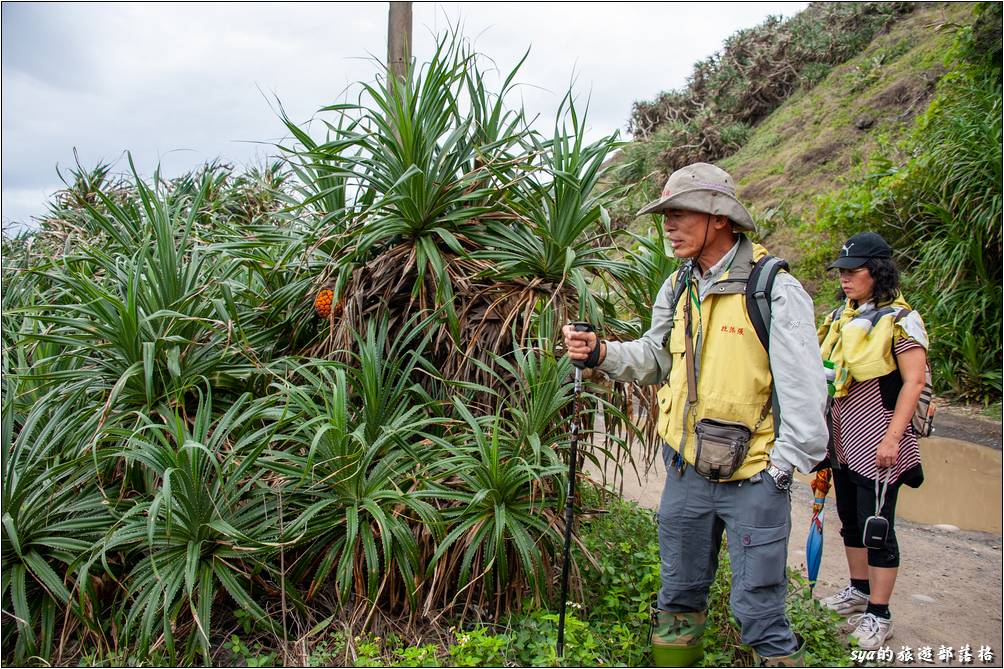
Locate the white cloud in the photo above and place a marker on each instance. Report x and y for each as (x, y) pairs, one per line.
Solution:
(23, 199)
(180, 84)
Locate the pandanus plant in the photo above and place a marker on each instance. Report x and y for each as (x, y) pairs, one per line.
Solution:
(181, 437)
(205, 529)
(462, 209)
(494, 235)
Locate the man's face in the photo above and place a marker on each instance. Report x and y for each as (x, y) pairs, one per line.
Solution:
(686, 231)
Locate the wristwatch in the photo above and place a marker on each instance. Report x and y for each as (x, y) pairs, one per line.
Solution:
(782, 479)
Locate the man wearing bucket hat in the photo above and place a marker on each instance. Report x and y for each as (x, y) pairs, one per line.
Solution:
(729, 455)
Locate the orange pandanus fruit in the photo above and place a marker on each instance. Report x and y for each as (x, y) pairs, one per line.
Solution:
(322, 303)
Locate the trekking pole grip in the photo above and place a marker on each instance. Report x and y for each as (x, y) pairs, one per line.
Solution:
(594, 355)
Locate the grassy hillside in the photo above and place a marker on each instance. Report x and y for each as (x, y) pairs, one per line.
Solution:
(855, 151)
(819, 137)
(808, 145)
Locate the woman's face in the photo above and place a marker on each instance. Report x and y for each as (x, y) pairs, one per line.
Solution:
(857, 284)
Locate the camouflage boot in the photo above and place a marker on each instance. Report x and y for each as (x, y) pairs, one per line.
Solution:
(796, 659)
(677, 638)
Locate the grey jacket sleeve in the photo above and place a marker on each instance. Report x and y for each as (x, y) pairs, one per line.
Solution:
(644, 360)
(797, 368)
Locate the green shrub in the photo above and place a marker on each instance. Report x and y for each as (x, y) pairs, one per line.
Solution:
(418, 656)
(983, 46)
(369, 651)
(329, 651)
(478, 648)
(937, 198)
(247, 656)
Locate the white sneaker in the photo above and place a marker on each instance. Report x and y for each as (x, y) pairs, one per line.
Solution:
(847, 601)
(871, 631)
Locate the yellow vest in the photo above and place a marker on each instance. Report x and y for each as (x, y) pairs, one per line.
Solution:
(733, 370)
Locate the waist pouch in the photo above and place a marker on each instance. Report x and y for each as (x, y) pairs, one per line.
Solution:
(721, 448)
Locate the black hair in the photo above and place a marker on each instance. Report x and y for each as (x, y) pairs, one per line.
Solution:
(886, 276)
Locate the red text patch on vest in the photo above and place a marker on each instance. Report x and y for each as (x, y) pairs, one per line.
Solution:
(732, 329)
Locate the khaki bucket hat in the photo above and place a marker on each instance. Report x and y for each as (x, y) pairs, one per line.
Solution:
(705, 188)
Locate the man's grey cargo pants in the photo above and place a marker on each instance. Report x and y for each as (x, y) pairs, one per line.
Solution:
(756, 516)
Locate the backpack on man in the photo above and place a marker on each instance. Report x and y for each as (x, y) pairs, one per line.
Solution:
(757, 296)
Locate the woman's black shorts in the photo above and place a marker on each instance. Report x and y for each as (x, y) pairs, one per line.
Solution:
(855, 503)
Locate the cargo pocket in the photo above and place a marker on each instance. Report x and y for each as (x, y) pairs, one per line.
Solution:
(765, 553)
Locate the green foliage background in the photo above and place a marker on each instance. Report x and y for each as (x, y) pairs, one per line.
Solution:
(938, 196)
(902, 136)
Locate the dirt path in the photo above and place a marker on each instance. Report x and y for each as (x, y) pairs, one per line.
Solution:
(949, 587)
(949, 590)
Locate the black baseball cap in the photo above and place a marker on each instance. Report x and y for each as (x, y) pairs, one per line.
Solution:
(859, 249)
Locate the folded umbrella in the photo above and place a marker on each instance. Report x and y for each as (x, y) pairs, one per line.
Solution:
(814, 542)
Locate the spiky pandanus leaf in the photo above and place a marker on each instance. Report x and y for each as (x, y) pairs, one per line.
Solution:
(470, 215)
(501, 523)
(432, 173)
(351, 473)
(207, 522)
(53, 514)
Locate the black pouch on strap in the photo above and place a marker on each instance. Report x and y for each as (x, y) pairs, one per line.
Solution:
(721, 448)
(876, 529)
(875, 533)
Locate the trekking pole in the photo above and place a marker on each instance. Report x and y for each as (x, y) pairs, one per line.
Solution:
(573, 458)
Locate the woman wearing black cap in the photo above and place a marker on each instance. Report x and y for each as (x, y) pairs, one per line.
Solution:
(878, 348)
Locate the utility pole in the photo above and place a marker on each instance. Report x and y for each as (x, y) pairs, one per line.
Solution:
(399, 38)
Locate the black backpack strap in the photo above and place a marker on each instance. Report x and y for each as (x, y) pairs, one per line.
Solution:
(682, 279)
(758, 291)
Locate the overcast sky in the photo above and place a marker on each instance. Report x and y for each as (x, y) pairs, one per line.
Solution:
(180, 84)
